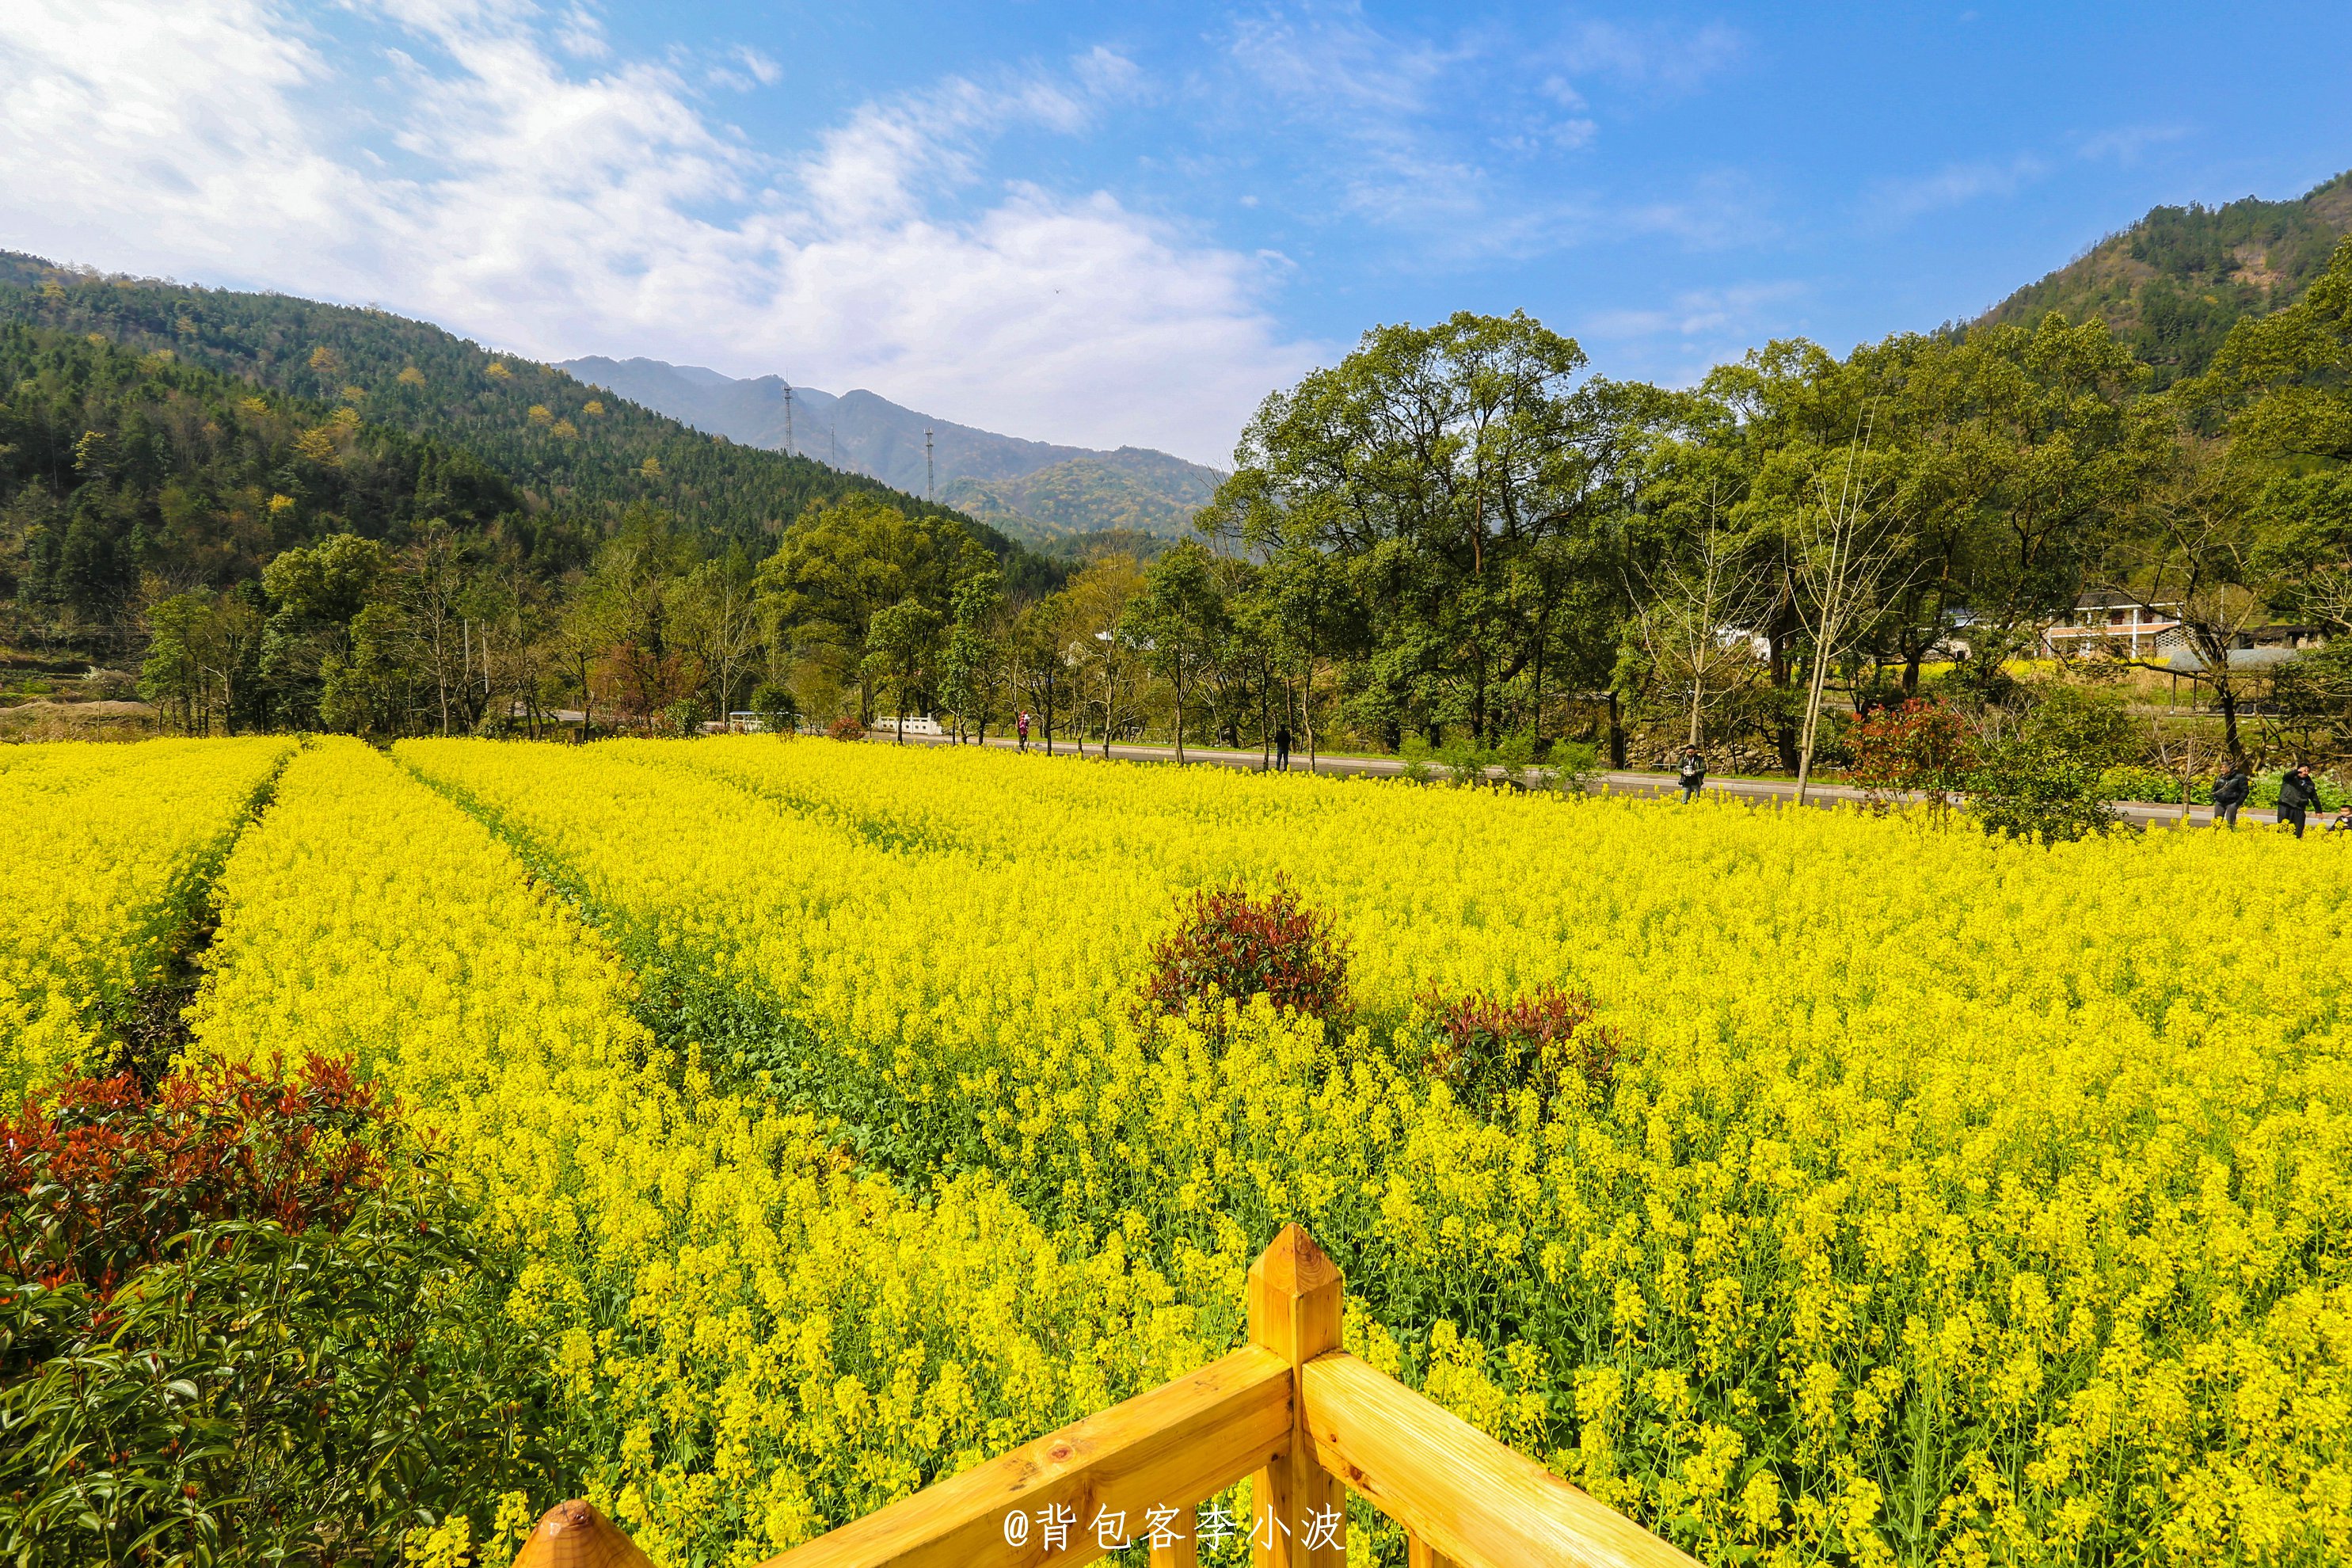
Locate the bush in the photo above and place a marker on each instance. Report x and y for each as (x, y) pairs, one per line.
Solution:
(1229, 943)
(779, 709)
(682, 720)
(848, 727)
(2133, 782)
(2026, 788)
(235, 1328)
(1921, 749)
(1571, 767)
(1486, 1049)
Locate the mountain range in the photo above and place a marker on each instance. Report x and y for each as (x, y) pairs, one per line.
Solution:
(1049, 495)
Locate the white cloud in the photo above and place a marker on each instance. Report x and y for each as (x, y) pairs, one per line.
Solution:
(476, 174)
(1953, 185)
(1677, 61)
(1735, 311)
(2125, 143)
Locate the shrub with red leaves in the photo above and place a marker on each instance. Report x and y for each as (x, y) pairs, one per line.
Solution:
(848, 727)
(1486, 1047)
(96, 1183)
(237, 1325)
(1922, 749)
(1231, 943)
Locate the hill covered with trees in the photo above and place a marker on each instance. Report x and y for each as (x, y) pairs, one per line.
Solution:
(2173, 284)
(557, 445)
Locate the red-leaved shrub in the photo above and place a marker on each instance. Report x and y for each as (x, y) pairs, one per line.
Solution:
(848, 727)
(1484, 1046)
(1922, 751)
(95, 1184)
(1229, 943)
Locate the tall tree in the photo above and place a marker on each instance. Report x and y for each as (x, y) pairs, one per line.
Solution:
(971, 665)
(1178, 622)
(1436, 463)
(901, 650)
(844, 562)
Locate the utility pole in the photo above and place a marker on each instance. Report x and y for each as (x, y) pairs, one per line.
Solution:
(930, 475)
(788, 417)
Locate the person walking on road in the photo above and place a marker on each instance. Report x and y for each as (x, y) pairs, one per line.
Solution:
(1022, 724)
(1282, 749)
(2298, 793)
(2230, 793)
(1692, 775)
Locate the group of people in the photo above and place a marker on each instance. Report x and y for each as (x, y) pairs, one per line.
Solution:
(2298, 793)
(1281, 739)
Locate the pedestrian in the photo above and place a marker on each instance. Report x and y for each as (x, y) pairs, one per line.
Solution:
(2230, 793)
(1693, 774)
(1022, 724)
(2298, 793)
(1282, 749)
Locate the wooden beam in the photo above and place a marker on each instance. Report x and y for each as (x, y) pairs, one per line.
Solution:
(1466, 1499)
(1299, 1513)
(1173, 1446)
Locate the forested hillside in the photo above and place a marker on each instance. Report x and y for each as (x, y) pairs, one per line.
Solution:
(561, 444)
(118, 464)
(2173, 284)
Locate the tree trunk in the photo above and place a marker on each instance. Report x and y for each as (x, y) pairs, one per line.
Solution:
(1616, 732)
(1817, 681)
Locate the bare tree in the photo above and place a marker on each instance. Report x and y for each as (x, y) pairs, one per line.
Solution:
(1842, 546)
(1696, 617)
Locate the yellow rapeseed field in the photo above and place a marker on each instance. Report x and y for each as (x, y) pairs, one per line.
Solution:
(107, 843)
(755, 1341)
(1953, 1202)
(1959, 1201)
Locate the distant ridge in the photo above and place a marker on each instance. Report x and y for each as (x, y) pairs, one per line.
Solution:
(1037, 492)
(2173, 283)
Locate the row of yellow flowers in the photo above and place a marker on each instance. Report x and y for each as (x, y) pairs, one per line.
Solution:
(754, 1339)
(1961, 1201)
(109, 845)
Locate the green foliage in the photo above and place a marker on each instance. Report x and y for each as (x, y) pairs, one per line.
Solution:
(237, 1325)
(779, 709)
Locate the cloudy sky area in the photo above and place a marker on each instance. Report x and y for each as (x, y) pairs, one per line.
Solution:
(1110, 224)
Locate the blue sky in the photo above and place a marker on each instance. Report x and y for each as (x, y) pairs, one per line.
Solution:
(1127, 224)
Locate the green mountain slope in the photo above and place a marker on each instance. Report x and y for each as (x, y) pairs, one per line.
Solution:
(118, 465)
(2173, 283)
(561, 444)
(1088, 495)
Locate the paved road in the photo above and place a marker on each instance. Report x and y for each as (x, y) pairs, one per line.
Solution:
(1617, 782)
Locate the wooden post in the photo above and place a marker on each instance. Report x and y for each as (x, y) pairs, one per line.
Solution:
(1295, 1303)
(1185, 1552)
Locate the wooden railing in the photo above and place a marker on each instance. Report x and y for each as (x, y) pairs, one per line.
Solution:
(1309, 1421)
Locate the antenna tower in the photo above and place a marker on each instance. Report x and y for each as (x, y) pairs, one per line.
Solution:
(930, 475)
(788, 417)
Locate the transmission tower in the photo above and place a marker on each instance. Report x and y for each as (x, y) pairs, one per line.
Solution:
(930, 475)
(788, 418)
